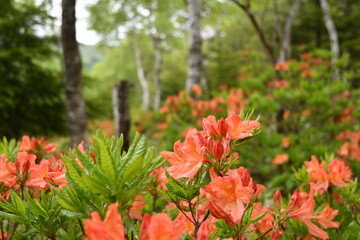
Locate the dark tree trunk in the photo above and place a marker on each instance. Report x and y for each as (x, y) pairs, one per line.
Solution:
(195, 58)
(121, 111)
(258, 29)
(75, 106)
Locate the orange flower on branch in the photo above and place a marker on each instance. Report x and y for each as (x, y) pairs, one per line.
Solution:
(187, 157)
(280, 159)
(109, 229)
(231, 193)
(160, 227)
(239, 129)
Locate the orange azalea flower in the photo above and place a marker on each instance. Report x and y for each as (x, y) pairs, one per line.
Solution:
(339, 173)
(136, 207)
(306, 215)
(280, 159)
(38, 174)
(285, 142)
(7, 169)
(283, 66)
(232, 192)
(318, 175)
(279, 84)
(325, 218)
(109, 229)
(196, 89)
(239, 129)
(160, 227)
(36, 146)
(286, 113)
(217, 129)
(187, 157)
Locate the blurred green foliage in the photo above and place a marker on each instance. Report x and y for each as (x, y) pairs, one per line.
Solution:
(30, 100)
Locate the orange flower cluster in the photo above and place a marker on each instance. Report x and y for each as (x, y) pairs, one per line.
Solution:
(279, 84)
(40, 148)
(156, 227)
(231, 194)
(189, 156)
(24, 172)
(336, 173)
(351, 147)
(303, 208)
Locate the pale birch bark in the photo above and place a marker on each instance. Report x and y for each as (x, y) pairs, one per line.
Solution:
(141, 74)
(157, 70)
(333, 36)
(285, 47)
(75, 105)
(195, 57)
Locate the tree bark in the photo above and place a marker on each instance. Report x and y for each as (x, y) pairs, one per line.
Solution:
(285, 48)
(141, 74)
(195, 59)
(121, 110)
(157, 70)
(333, 36)
(258, 29)
(75, 106)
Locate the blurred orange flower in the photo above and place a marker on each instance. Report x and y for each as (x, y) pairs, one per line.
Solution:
(109, 229)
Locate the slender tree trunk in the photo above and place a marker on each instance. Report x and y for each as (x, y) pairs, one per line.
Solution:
(285, 49)
(333, 36)
(157, 70)
(276, 20)
(258, 29)
(195, 59)
(121, 111)
(141, 74)
(74, 102)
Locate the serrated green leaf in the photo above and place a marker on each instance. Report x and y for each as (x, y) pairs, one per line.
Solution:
(175, 187)
(71, 171)
(105, 161)
(72, 214)
(85, 159)
(36, 207)
(13, 217)
(19, 204)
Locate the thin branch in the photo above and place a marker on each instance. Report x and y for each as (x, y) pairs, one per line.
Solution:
(258, 29)
(264, 234)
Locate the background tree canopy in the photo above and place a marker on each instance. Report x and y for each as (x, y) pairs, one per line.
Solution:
(31, 99)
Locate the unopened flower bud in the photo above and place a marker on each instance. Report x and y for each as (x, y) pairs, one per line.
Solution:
(277, 199)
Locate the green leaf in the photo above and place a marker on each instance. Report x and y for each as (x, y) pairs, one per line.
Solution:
(72, 214)
(14, 217)
(175, 187)
(106, 162)
(19, 204)
(254, 220)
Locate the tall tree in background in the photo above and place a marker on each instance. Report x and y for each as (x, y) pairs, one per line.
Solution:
(259, 30)
(141, 72)
(75, 106)
(333, 36)
(285, 39)
(195, 58)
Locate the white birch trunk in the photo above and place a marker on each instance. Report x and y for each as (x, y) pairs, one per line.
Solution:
(333, 36)
(285, 48)
(157, 70)
(141, 75)
(195, 42)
